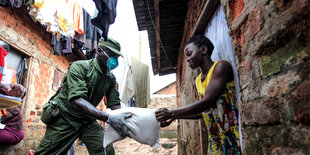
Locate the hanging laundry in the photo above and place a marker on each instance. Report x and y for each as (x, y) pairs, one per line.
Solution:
(60, 16)
(58, 44)
(106, 15)
(91, 34)
(21, 69)
(131, 102)
(45, 13)
(65, 17)
(141, 78)
(128, 88)
(78, 23)
(12, 3)
(67, 49)
(10, 75)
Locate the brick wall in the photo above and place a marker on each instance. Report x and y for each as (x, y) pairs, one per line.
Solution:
(21, 32)
(189, 130)
(271, 43)
(164, 101)
(170, 89)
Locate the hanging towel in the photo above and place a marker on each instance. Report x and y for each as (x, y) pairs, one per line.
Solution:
(141, 78)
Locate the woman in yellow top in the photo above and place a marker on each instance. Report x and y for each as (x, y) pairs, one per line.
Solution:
(217, 98)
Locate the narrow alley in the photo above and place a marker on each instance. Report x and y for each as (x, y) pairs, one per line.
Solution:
(193, 77)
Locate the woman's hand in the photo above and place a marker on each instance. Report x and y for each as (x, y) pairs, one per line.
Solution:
(163, 114)
(166, 122)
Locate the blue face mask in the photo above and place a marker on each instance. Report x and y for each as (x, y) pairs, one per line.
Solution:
(112, 62)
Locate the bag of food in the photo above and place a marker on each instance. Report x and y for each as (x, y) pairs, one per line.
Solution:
(144, 123)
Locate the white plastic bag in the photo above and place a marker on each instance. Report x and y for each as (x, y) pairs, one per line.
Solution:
(143, 121)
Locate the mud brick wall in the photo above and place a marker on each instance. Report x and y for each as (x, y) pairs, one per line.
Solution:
(164, 101)
(272, 53)
(189, 130)
(271, 43)
(20, 31)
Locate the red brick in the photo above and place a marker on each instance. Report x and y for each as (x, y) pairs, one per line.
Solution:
(32, 113)
(170, 89)
(262, 112)
(239, 38)
(40, 102)
(284, 4)
(29, 120)
(245, 72)
(236, 6)
(254, 24)
(37, 95)
(300, 101)
(280, 85)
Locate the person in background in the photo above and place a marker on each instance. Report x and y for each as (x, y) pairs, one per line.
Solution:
(87, 82)
(11, 132)
(8, 84)
(217, 103)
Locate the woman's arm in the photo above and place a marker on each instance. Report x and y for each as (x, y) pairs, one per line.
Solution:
(221, 75)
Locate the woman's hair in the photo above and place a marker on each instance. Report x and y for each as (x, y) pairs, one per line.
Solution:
(200, 40)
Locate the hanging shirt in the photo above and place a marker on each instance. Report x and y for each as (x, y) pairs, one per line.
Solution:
(105, 16)
(91, 34)
(221, 120)
(67, 49)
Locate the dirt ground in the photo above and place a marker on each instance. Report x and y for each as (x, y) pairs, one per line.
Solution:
(131, 147)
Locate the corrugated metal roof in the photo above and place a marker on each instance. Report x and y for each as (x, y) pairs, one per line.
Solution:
(172, 17)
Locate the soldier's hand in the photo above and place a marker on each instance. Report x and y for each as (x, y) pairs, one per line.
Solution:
(118, 122)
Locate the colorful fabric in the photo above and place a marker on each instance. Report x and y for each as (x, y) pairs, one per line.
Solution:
(3, 112)
(221, 120)
(9, 75)
(10, 136)
(60, 16)
(78, 23)
(3, 53)
(14, 122)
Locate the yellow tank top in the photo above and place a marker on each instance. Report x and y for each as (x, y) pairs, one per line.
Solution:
(221, 121)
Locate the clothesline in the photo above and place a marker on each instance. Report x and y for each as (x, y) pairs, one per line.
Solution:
(69, 22)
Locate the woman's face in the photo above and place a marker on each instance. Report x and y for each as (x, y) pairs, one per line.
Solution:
(193, 55)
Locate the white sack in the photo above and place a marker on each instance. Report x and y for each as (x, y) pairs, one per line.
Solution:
(143, 121)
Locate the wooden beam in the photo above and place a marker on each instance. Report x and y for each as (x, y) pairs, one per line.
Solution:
(157, 25)
(205, 16)
(16, 47)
